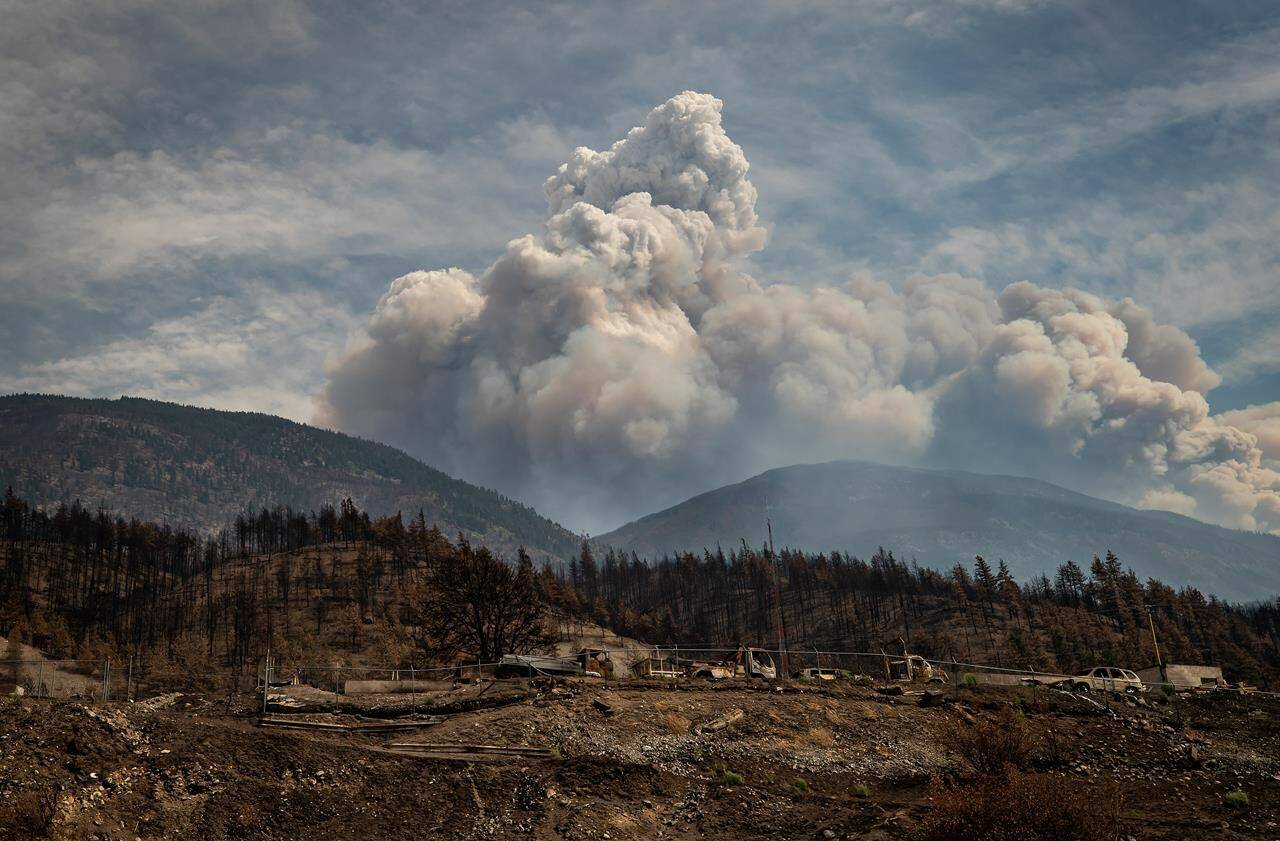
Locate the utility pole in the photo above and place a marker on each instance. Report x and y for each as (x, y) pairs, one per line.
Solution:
(266, 679)
(1151, 622)
(777, 600)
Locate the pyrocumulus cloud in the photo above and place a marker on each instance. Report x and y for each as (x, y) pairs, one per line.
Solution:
(621, 359)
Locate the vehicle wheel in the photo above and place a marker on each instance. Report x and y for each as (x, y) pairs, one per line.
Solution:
(1082, 687)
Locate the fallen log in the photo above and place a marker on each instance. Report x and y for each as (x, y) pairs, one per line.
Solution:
(472, 753)
(338, 727)
(727, 720)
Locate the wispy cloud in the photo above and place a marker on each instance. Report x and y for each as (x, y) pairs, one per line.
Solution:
(155, 153)
(260, 351)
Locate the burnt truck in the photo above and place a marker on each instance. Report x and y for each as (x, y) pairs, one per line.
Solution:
(589, 662)
(746, 662)
(911, 668)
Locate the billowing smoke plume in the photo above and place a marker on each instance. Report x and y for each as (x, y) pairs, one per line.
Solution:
(621, 360)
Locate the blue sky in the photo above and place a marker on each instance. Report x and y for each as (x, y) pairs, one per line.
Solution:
(201, 201)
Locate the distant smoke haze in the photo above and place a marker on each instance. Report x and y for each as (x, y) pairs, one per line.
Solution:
(621, 359)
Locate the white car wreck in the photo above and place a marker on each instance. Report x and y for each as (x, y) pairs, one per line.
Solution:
(1104, 679)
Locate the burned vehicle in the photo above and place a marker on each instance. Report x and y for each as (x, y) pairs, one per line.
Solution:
(1104, 679)
(590, 662)
(746, 662)
(537, 665)
(912, 668)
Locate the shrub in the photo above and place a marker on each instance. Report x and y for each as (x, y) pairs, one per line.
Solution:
(732, 778)
(800, 784)
(993, 748)
(861, 790)
(676, 723)
(969, 681)
(1238, 800)
(1023, 807)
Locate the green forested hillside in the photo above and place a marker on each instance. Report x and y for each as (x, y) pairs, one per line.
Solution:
(198, 468)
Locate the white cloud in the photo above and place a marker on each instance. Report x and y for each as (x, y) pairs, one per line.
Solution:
(1197, 256)
(256, 352)
(1256, 354)
(288, 196)
(154, 153)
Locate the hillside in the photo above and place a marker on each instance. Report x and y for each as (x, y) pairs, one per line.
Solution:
(198, 468)
(586, 758)
(940, 517)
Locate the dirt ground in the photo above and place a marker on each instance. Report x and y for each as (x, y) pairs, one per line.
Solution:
(631, 760)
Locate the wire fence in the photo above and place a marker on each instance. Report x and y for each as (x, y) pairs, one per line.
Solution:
(813, 662)
(87, 679)
(112, 680)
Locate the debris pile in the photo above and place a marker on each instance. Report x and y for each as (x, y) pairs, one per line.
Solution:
(585, 758)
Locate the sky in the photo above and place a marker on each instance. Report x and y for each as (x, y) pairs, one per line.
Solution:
(208, 202)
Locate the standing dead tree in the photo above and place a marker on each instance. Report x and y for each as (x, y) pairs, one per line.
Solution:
(470, 602)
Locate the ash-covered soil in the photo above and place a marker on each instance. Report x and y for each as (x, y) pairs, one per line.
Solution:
(834, 761)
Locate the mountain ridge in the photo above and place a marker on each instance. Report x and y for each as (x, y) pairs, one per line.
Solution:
(943, 516)
(199, 467)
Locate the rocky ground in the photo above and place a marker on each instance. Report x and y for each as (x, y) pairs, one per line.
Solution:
(631, 760)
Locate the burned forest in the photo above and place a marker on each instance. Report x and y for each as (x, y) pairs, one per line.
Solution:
(336, 585)
(331, 672)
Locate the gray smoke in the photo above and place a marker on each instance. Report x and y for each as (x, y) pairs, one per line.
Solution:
(621, 360)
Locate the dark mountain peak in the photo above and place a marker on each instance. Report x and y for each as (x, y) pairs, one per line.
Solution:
(939, 517)
(198, 467)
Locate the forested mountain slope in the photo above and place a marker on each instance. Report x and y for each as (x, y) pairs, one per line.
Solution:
(940, 517)
(198, 468)
(343, 587)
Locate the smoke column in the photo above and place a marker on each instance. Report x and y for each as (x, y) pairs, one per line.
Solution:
(620, 360)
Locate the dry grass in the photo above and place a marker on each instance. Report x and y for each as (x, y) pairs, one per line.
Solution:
(1001, 803)
(1023, 807)
(820, 736)
(992, 748)
(675, 722)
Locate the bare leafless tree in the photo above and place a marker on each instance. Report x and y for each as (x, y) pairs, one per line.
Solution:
(474, 604)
